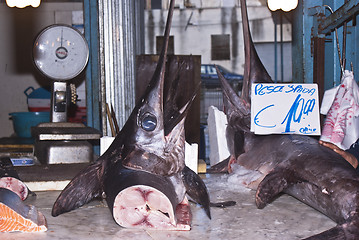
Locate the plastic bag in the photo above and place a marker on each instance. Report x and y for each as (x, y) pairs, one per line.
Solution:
(341, 126)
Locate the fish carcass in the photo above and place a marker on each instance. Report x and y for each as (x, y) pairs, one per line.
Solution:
(143, 174)
(293, 164)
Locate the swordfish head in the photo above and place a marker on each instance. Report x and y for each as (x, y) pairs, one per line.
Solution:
(153, 139)
(238, 108)
(149, 149)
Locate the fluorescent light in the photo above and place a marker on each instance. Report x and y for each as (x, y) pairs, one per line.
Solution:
(23, 3)
(285, 5)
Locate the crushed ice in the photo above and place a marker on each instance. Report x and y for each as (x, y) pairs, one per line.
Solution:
(237, 181)
(242, 177)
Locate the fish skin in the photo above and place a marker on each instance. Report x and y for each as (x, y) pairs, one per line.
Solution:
(294, 164)
(196, 189)
(84, 187)
(159, 150)
(133, 146)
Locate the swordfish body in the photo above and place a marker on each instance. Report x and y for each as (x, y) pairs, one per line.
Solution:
(143, 173)
(293, 164)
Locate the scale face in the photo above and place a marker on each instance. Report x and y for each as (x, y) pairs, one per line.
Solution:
(60, 52)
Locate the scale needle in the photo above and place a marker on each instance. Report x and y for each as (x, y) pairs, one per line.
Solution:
(61, 36)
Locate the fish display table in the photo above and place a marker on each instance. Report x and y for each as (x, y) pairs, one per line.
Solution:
(49, 177)
(285, 218)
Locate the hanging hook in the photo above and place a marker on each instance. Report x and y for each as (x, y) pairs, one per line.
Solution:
(344, 41)
(337, 40)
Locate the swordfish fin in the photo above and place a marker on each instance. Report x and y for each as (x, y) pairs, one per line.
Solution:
(173, 114)
(237, 110)
(274, 183)
(196, 189)
(335, 233)
(82, 189)
(348, 230)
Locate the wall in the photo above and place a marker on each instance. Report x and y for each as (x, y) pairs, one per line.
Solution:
(211, 3)
(19, 28)
(192, 29)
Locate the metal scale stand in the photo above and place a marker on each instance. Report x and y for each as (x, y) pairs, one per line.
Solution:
(61, 53)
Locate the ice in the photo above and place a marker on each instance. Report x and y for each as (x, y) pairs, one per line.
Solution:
(241, 177)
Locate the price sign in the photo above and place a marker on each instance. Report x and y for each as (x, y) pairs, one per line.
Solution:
(285, 109)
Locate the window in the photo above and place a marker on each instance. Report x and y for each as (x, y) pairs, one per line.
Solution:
(159, 44)
(156, 4)
(220, 47)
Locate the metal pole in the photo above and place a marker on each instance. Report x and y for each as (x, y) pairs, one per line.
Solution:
(344, 42)
(92, 74)
(120, 34)
(281, 47)
(275, 54)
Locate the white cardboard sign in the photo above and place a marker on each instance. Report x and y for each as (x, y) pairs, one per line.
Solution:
(285, 109)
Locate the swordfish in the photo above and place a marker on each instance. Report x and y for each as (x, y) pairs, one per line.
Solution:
(142, 174)
(294, 164)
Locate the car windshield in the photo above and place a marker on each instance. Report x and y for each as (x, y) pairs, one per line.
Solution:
(223, 70)
(203, 69)
(212, 70)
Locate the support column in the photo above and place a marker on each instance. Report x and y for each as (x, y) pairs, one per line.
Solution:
(120, 33)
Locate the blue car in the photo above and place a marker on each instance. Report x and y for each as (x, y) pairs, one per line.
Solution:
(210, 79)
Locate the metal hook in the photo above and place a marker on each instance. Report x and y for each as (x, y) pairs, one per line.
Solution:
(337, 40)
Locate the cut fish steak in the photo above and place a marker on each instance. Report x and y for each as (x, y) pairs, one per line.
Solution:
(145, 207)
(9, 179)
(15, 215)
(14, 185)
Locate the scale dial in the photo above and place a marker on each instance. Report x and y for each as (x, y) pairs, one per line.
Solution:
(60, 52)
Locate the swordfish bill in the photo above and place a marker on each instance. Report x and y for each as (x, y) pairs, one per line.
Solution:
(143, 173)
(294, 164)
(254, 71)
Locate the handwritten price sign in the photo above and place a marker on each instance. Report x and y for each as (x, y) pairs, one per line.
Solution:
(285, 109)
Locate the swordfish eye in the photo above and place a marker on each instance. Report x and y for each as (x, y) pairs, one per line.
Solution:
(149, 122)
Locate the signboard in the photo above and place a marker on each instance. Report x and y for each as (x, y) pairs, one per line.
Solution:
(285, 109)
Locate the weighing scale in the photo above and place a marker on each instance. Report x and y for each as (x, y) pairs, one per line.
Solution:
(61, 53)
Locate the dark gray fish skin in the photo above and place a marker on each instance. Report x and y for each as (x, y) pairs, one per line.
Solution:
(221, 167)
(196, 189)
(137, 142)
(152, 141)
(293, 164)
(85, 186)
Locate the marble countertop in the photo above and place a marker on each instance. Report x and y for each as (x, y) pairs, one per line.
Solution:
(285, 218)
